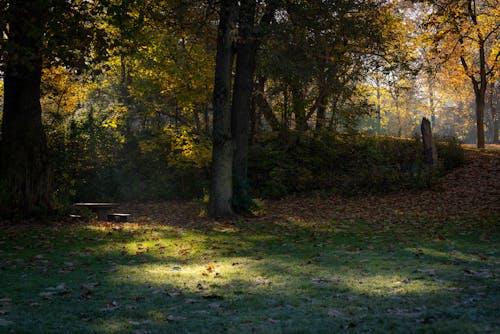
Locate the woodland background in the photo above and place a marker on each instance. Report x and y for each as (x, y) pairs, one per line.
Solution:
(127, 96)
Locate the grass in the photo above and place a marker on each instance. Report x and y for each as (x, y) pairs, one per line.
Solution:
(252, 277)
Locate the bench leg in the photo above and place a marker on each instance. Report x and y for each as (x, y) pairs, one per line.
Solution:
(102, 215)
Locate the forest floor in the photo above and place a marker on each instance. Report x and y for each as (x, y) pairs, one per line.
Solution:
(408, 262)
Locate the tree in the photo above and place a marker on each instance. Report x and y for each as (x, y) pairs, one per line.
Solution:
(245, 45)
(317, 53)
(25, 185)
(39, 33)
(241, 104)
(221, 187)
(469, 30)
(493, 101)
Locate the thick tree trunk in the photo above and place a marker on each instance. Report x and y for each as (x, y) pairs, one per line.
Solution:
(222, 152)
(24, 180)
(429, 148)
(241, 105)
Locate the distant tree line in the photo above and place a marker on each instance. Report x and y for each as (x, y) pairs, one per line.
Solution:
(100, 90)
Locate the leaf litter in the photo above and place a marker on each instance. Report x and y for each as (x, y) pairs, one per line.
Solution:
(400, 213)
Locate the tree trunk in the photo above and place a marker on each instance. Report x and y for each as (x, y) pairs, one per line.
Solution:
(480, 119)
(255, 121)
(331, 124)
(321, 113)
(429, 149)
(264, 107)
(299, 109)
(494, 115)
(480, 85)
(378, 114)
(241, 105)
(496, 129)
(25, 183)
(222, 152)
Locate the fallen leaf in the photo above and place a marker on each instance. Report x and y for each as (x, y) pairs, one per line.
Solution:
(90, 286)
(110, 307)
(191, 301)
(320, 281)
(172, 293)
(175, 318)
(335, 313)
(4, 322)
(430, 272)
(214, 305)
(212, 296)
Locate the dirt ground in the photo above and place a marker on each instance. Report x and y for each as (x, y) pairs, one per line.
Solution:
(470, 191)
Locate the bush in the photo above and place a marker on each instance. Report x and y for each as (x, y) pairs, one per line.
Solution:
(104, 167)
(174, 164)
(450, 153)
(348, 164)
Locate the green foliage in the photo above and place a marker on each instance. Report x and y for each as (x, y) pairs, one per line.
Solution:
(348, 164)
(450, 153)
(94, 162)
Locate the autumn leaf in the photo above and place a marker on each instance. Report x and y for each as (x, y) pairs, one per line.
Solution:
(111, 307)
(175, 318)
(335, 313)
(4, 323)
(212, 296)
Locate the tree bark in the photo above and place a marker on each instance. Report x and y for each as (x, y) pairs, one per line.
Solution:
(264, 107)
(321, 112)
(479, 85)
(25, 187)
(429, 149)
(494, 115)
(480, 103)
(241, 105)
(299, 109)
(378, 114)
(222, 152)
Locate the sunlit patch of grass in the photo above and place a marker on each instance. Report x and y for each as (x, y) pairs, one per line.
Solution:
(452, 254)
(266, 277)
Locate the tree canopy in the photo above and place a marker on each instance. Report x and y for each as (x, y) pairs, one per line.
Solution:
(169, 94)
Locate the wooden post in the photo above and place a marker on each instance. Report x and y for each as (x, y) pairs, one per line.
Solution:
(430, 153)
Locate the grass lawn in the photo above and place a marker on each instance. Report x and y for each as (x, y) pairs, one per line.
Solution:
(255, 276)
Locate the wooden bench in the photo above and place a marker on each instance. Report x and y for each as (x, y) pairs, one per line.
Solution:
(101, 209)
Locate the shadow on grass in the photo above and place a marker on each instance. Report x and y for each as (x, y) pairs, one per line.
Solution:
(240, 277)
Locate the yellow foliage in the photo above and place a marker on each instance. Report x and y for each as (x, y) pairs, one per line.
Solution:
(62, 90)
(188, 149)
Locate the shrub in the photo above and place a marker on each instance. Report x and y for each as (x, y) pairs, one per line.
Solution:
(349, 164)
(450, 153)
